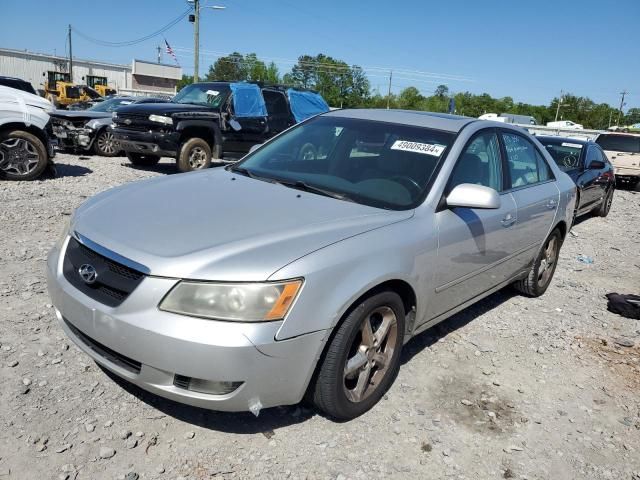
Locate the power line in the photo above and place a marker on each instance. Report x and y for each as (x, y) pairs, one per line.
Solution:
(128, 43)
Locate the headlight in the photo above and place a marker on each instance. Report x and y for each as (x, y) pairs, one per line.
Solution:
(240, 302)
(161, 119)
(66, 227)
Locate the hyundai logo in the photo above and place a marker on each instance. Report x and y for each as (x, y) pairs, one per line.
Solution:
(88, 273)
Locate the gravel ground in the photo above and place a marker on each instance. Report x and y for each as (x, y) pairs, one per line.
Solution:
(510, 388)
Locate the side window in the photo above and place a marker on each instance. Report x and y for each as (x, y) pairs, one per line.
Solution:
(479, 163)
(526, 167)
(276, 103)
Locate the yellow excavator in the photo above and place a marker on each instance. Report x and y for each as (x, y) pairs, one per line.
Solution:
(61, 92)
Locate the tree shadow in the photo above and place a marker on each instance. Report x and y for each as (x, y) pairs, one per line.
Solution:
(270, 419)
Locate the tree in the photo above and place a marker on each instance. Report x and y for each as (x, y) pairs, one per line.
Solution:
(184, 81)
(231, 68)
(411, 99)
(441, 91)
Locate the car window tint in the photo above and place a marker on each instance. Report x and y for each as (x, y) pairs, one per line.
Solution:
(619, 143)
(544, 172)
(276, 103)
(479, 163)
(522, 161)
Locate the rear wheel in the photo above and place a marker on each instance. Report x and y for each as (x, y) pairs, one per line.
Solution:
(362, 359)
(23, 156)
(541, 273)
(605, 206)
(54, 100)
(140, 160)
(104, 144)
(195, 154)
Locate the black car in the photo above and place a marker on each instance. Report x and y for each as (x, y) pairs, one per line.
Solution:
(206, 121)
(18, 84)
(586, 163)
(88, 130)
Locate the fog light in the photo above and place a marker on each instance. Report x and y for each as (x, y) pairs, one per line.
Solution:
(210, 387)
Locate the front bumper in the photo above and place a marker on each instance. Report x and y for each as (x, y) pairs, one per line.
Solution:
(165, 345)
(164, 144)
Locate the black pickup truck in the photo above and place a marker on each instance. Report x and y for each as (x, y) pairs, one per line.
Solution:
(206, 121)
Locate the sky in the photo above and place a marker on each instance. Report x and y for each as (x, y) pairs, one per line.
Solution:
(526, 50)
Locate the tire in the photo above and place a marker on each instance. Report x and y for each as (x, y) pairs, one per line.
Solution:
(195, 154)
(54, 100)
(23, 156)
(140, 160)
(539, 277)
(104, 144)
(338, 394)
(605, 206)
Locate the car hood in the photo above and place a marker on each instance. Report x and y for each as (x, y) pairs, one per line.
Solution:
(215, 225)
(164, 108)
(80, 114)
(10, 95)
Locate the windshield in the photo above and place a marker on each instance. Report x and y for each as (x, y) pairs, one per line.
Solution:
(208, 94)
(379, 164)
(567, 155)
(619, 143)
(110, 104)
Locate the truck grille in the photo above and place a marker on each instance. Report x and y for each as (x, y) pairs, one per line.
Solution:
(114, 282)
(135, 121)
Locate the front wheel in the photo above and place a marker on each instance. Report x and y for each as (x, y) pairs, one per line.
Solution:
(105, 144)
(140, 160)
(23, 156)
(195, 154)
(541, 273)
(362, 359)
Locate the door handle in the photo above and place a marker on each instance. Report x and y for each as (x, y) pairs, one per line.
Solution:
(508, 220)
(551, 204)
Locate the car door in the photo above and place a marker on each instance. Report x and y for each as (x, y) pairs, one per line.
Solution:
(533, 188)
(279, 117)
(476, 247)
(248, 118)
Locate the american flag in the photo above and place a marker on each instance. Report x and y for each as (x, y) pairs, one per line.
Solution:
(170, 51)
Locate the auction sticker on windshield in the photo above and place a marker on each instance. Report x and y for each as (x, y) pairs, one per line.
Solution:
(416, 147)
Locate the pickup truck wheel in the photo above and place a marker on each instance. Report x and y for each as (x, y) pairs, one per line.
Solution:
(195, 154)
(362, 358)
(23, 156)
(140, 160)
(104, 144)
(541, 273)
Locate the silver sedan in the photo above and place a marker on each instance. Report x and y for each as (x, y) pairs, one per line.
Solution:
(302, 270)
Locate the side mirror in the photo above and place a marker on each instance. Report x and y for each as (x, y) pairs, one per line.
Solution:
(473, 196)
(255, 147)
(596, 165)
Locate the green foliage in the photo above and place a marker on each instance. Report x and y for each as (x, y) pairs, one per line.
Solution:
(347, 86)
(184, 81)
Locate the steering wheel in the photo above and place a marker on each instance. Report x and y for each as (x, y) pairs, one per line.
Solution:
(570, 161)
(308, 151)
(408, 183)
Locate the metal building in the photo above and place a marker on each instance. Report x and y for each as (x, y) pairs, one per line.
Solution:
(140, 77)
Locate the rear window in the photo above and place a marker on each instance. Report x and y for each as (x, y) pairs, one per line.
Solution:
(566, 154)
(619, 143)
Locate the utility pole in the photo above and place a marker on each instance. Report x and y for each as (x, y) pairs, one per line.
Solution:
(70, 57)
(389, 91)
(623, 93)
(159, 53)
(196, 40)
(558, 107)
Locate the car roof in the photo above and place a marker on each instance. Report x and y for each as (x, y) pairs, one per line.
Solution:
(553, 138)
(438, 121)
(3, 77)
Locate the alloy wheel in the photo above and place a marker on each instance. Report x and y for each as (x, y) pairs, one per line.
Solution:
(549, 259)
(370, 354)
(197, 158)
(18, 156)
(106, 143)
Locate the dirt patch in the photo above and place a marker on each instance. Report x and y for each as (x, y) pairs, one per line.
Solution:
(623, 361)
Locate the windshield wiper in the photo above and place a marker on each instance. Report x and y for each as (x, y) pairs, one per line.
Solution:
(240, 170)
(300, 185)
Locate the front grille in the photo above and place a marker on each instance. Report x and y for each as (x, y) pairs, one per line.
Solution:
(114, 282)
(135, 121)
(105, 352)
(181, 381)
